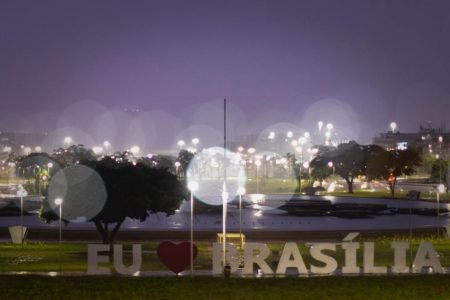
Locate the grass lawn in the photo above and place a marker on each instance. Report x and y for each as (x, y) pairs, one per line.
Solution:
(398, 287)
(72, 258)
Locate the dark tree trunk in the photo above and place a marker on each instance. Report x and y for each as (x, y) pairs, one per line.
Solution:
(350, 185)
(392, 187)
(102, 231)
(114, 231)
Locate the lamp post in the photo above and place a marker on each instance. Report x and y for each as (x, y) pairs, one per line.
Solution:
(68, 141)
(258, 164)
(393, 126)
(440, 139)
(135, 150)
(320, 125)
(49, 166)
(241, 191)
(21, 193)
(440, 189)
(59, 201)
(195, 142)
(192, 186)
(331, 165)
(177, 166)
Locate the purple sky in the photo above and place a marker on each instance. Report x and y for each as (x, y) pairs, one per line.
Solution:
(359, 64)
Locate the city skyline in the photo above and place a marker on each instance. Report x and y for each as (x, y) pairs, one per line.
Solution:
(356, 64)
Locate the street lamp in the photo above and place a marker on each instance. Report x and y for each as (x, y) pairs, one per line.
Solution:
(21, 193)
(440, 139)
(258, 164)
(331, 165)
(180, 144)
(49, 166)
(241, 191)
(192, 186)
(135, 150)
(195, 142)
(393, 126)
(300, 150)
(107, 145)
(68, 141)
(320, 125)
(330, 126)
(177, 166)
(59, 202)
(440, 190)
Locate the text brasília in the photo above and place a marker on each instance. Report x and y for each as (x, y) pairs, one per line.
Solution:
(258, 254)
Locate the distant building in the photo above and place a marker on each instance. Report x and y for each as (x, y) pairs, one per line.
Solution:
(424, 141)
(20, 142)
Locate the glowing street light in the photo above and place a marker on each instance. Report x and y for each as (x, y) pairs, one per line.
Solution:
(393, 126)
(97, 150)
(135, 150)
(106, 145)
(251, 150)
(192, 186)
(180, 144)
(258, 164)
(331, 165)
(241, 192)
(177, 166)
(49, 166)
(21, 193)
(289, 134)
(440, 190)
(59, 202)
(330, 126)
(320, 125)
(440, 139)
(68, 141)
(195, 141)
(271, 135)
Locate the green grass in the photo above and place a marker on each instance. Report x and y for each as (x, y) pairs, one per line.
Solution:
(379, 288)
(72, 257)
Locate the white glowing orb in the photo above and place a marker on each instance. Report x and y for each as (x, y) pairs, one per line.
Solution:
(393, 126)
(80, 190)
(68, 140)
(135, 150)
(210, 169)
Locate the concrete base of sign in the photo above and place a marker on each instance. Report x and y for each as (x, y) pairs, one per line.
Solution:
(18, 234)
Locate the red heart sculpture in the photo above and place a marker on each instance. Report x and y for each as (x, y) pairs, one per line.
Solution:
(176, 257)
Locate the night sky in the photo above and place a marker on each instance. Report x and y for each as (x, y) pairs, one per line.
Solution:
(157, 70)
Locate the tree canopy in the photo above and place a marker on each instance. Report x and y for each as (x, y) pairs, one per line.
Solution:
(347, 160)
(134, 190)
(389, 165)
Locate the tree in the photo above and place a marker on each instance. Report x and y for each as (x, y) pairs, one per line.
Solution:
(75, 154)
(320, 173)
(133, 191)
(389, 165)
(185, 157)
(439, 171)
(348, 161)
